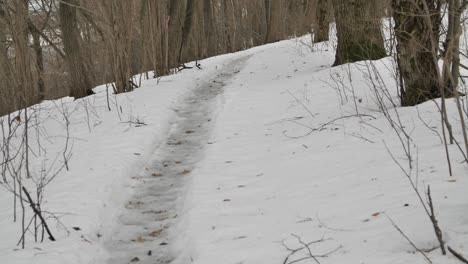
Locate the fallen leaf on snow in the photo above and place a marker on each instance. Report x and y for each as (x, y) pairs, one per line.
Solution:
(139, 240)
(376, 214)
(155, 233)
(135, 259)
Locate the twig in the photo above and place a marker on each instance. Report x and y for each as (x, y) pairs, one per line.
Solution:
(326, 124)
(407, 238)
(435, 223)
(457, 255)
(38, 213)
(302, 104)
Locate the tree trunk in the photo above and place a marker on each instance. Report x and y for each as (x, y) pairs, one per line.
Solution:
(322, 26)
(231, 29)
(23, 73)
(186, 28)
(120, 43)
(208, 24)
(80, 80)
(176, 22)
(39, 64)
(310, 13)
(6, 77)
(451, 69)
(359, 32)
(276, 20)
(417, 43)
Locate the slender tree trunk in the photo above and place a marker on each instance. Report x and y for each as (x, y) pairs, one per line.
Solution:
(7, 101)
(79, 71)
(227, 22)
(208, 24)
(176, 22)
(39, 64)
(25, 89)
(359, 32)
(121, 43)
(258, 21)
(310, 14)
(451, 69)
(186, 28)
(416, 40)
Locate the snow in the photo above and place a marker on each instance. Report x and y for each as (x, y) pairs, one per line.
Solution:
(257, 177)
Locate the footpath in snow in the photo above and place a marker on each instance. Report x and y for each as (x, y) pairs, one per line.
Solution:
(141, 232)
(244, 162)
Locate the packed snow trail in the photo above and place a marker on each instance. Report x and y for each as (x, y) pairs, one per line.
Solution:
(141, 233)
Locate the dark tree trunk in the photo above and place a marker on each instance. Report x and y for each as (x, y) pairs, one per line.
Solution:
(39, 64)
(208, 26)
(6, 77)
(176, 24)
(187, 27)
(276, 20)
(322, 28)
(417, 49)
(310, 12)
(81, 84)
(359, 32)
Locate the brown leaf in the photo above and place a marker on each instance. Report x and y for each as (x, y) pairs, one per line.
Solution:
(139, 240)
(184, 172)
(376, 214)
(157, 174)
(452, 180)
(155, 233)
(135, 259)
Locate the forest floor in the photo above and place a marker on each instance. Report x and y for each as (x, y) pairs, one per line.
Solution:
(247, 160)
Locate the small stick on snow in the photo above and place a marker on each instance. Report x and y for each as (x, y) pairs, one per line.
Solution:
(457, 255)
(407, 238)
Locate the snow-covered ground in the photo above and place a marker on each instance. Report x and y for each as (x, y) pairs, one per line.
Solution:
(290, 151)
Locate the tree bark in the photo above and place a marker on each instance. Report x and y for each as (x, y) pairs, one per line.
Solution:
(80, 80)
(187, 27)
(416, 47)
(276, 20)
(176, 22)
(39, 64)
(359, 32)
(6, 77)
(322, 28)
(208, 25)
(25, 82)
